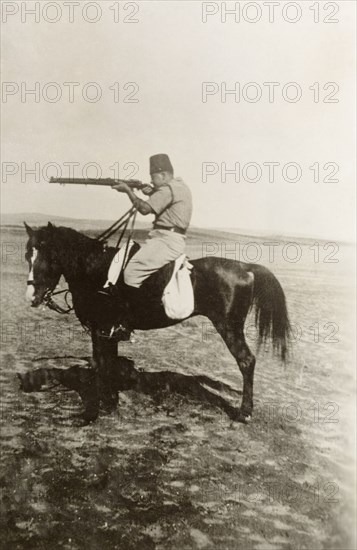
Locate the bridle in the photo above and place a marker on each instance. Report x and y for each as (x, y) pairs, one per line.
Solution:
(50, 303)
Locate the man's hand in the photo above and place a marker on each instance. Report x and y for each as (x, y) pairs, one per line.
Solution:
(121, 187)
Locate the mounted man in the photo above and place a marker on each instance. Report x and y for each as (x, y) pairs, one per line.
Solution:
(170, 201)
(224, 290)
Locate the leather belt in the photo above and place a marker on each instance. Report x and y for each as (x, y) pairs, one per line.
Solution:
(174, 228)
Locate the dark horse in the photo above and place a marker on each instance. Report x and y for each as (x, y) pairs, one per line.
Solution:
(224, 291)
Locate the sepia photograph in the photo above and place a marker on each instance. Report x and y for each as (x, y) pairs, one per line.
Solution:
(178, 272)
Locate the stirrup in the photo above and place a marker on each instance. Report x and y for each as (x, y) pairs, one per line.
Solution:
(119, 332)
(116, 331)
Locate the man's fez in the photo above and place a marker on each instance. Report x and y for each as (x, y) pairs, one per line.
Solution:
(160, 163)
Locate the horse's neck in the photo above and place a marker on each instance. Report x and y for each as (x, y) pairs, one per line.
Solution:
(80, 259)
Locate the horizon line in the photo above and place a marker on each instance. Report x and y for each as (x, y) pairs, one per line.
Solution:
(242, 231)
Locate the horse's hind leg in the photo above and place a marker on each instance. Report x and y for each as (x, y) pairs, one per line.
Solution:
(246, 363)
(233, 336)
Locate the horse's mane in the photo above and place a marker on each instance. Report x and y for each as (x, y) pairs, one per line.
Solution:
(66, 238)
(68, 234)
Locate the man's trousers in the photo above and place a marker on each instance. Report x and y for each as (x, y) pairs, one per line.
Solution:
(161, 247)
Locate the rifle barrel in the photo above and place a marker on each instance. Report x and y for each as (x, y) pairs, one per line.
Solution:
(84, 181)
(137, 184)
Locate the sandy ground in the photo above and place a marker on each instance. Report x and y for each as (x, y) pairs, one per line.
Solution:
(171, 472)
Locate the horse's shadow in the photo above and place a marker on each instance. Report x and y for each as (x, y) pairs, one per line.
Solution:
(123, 377)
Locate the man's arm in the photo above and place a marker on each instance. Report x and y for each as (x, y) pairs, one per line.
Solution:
(142, 206)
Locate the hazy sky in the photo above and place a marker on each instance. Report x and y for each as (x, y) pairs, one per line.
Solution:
(169, 53)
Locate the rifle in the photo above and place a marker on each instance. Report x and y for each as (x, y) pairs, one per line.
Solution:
(109, 182)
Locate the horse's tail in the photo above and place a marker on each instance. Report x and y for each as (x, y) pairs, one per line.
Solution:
(271, 314)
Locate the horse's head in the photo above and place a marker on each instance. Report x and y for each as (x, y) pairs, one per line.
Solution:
(44, 268)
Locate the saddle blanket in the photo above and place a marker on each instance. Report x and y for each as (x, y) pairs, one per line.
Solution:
(178, 299)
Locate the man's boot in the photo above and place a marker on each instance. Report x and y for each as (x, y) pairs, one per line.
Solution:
(109, 291)
(129, 297)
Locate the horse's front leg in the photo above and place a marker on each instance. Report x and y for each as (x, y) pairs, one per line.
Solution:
(104, 359)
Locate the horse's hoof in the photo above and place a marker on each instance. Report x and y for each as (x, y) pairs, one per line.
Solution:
(109, 407)
(109, 412)
(237, 416)
(244, 418)
(84, 420)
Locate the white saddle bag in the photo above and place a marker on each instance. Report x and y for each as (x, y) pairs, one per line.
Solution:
(178, 298)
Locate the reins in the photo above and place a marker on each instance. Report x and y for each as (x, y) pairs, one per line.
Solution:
(131, 231)
(123, 222)
(51, 304)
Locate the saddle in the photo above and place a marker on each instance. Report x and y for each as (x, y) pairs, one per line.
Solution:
(170, 286)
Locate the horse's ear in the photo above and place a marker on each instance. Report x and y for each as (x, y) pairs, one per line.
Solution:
(50, 226)
(29, 230)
